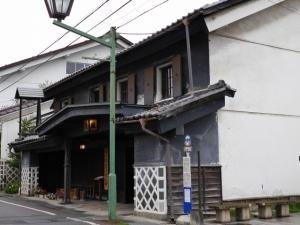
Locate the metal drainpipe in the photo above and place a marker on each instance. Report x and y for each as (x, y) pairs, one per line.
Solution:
(168, 148)
(189, 55)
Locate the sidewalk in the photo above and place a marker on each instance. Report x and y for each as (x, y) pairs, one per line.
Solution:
(99, 210)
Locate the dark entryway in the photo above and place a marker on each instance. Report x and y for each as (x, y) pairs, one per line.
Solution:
(51, 171)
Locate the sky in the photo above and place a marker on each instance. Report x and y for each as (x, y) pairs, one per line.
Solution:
(26, 28)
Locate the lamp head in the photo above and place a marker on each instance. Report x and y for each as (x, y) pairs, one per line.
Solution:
(59, 9)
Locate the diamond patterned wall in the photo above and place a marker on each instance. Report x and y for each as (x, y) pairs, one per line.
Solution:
(7, 174)
(150, 188)
(29, 180)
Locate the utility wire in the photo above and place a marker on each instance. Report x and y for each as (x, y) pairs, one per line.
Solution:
(143, 13)
(58, 39)
(66, 46)
(62, 36)
(130, 12)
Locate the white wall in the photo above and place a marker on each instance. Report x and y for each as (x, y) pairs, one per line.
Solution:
(259, 128)
(10, 125)
(51, 71)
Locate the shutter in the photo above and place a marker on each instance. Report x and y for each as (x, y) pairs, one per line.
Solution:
(177, 76)
(149, 86)
(131, 89)
(101, 93)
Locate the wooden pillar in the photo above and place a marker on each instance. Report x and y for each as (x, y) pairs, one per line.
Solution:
(67, 173)
(38, 112)
(20, 118)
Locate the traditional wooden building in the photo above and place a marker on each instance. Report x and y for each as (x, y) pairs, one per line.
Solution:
(163, 93)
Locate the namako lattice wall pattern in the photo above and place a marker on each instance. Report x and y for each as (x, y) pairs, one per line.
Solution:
(150, 187)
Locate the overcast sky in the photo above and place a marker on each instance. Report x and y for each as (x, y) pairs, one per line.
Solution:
(26, 28)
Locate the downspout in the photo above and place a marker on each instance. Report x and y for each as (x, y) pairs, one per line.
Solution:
(189, 55)
(168, 148)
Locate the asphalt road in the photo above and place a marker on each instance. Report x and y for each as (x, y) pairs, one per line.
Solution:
(14, 210)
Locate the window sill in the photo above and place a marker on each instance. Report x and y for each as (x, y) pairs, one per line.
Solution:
(163, 100)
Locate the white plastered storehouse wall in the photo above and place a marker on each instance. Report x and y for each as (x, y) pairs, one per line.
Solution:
(259, 142)
(10, 125)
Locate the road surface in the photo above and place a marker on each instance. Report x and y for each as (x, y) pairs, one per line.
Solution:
(14, 210)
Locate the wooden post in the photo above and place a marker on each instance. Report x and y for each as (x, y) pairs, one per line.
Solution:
(199, 189)
(20, 119)
(38, 112)
(67, 173)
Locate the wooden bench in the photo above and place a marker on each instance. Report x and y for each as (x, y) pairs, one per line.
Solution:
(223, 211)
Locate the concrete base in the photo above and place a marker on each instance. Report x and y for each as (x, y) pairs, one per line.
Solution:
(283, 210)
(195, 218)
(264, 211)
(223, 215)
(243, 214)
(183, 220)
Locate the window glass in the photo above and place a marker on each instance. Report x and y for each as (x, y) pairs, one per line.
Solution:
(94, 95)
(105, 99)
(167, 82)
(72, 67)
(164, 82)
(124, 91)
(79, 66)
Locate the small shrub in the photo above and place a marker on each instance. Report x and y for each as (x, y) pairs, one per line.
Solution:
(12, 188)
(295, 207)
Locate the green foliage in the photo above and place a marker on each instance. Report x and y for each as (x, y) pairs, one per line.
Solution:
(14, 159)
(12, 188)
(27, 126)
(295, 207)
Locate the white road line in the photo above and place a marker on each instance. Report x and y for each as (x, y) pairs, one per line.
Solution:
(25, 207)
(82, 221)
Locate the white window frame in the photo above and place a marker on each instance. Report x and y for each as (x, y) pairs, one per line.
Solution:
(76, 64)
(158, 89)
(119, 88)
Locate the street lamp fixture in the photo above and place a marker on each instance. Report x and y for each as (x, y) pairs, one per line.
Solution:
(60, 9)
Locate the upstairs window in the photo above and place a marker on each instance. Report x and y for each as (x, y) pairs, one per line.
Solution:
(164, 82)
(122, 91)
(94, 95)
(72, 67)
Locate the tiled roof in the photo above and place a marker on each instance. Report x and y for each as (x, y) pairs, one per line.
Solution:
(29, 93)
(28, 139)
(205, 11)
(177, 105)
(57, 51)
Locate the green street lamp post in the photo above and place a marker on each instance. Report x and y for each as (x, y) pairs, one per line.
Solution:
(60, 9)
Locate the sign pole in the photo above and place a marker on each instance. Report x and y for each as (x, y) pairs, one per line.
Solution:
(187, 176)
